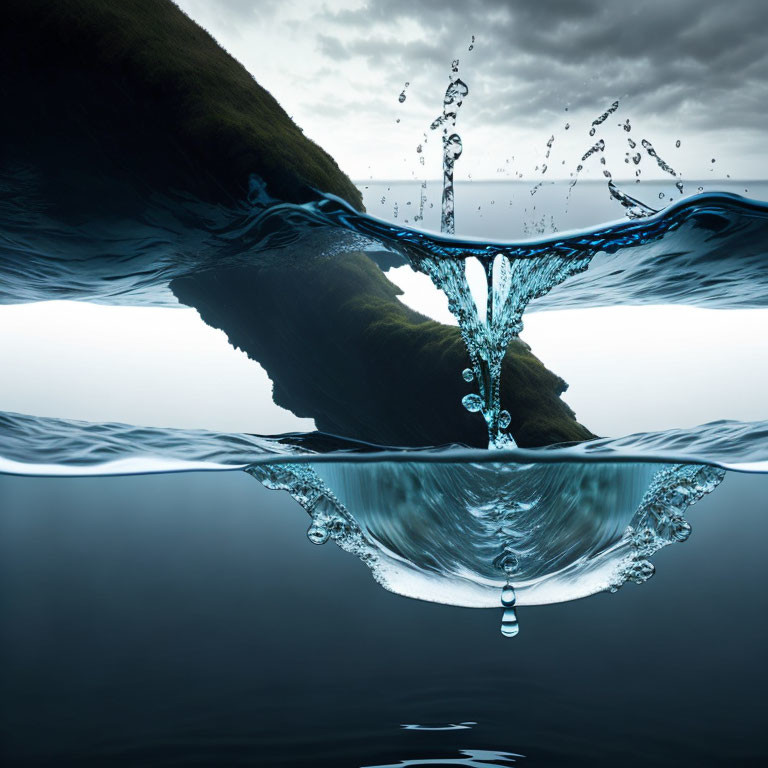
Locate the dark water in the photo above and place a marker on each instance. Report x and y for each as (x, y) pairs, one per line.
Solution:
(185, 620)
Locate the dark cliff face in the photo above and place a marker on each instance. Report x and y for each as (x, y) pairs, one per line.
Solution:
(111, 101)
(342, 349)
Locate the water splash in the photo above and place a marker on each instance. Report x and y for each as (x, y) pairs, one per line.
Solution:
(455, 94)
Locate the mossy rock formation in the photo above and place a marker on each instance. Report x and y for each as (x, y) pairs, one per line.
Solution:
(342, 349)
(112, 100)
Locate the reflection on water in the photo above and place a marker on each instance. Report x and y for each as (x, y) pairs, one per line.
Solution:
(472, 758)
(452, 727)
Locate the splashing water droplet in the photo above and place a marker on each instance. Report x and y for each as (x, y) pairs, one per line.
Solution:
(652, 153)
(467, 374)
(473, 403)
(504, 419)
(599, 120)
(661, 195)
(509, 625)
(472, 44)
(680, 187)
(677, 143)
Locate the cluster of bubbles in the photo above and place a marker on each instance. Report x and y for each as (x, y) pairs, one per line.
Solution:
(660, 520)
(330, 519)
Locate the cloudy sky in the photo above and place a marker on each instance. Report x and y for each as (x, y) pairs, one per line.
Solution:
(692, 70)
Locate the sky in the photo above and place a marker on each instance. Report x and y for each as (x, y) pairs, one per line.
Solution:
(689, 70)
(165, 367)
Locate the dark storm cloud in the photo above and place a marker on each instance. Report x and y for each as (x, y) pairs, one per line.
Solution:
(706, 62)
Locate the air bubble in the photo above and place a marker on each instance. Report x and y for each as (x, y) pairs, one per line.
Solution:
(318, 533)
(473, 403)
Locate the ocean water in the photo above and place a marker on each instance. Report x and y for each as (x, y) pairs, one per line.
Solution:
(165, 605)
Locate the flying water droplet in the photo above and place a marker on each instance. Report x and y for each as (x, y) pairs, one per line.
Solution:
(467, 374)
(680, 187)
(677, 143)
(652, 152)
(472, 44)
(599, 120)
(473, 403)
(504, 419)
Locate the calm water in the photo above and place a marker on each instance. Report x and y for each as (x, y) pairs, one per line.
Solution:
(185, 620)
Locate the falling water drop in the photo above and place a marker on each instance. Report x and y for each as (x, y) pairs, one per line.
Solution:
(467, 374)
(508, 597)
(509, 625)
(679, 186)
